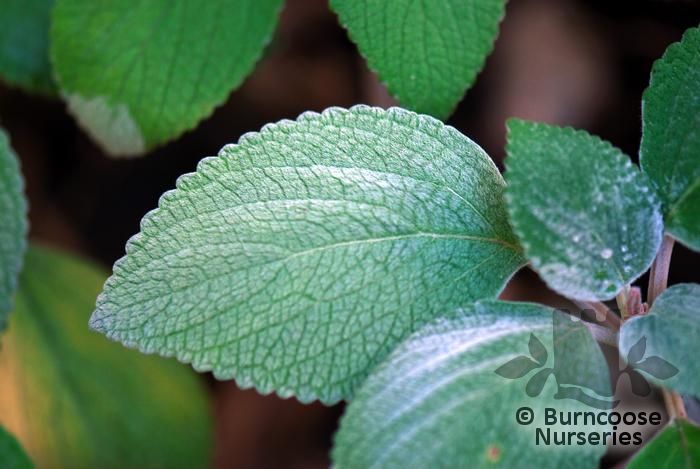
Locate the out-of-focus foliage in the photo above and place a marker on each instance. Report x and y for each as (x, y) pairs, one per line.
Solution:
(74, 399)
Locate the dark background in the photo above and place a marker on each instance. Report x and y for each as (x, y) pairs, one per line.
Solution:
(572, 62)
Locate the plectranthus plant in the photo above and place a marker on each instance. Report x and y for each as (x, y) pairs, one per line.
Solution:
(358, 254)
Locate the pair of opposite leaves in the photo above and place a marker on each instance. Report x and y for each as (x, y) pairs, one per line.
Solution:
(137, 74)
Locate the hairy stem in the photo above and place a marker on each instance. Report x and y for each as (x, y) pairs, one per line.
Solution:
(674, 404)
(658, 276)
(658, 281)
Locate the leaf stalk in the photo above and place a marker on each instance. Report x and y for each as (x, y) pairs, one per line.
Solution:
(658, 281)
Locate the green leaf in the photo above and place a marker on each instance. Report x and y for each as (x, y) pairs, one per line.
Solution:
(584, 213)
(671, 329)
(13, 225)
(296, 260)
(436, 401)
(670, 149)
(76, 400)
(12, 456)
(137, 74)
(677, 445)
(24, 44)
(427, 53)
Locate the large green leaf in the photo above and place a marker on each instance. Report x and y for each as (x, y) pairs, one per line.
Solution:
(586, 216)
(24, 44)
(670, 149)
(671, 331)
(137, 74)
(437, 402)
(677, 445)
(295, 260)
(76, 400)
(13, 225)
(427, 53)
(12, 456)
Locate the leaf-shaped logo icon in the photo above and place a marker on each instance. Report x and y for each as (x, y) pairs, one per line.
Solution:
(537, 350)
(536, 383)
(657, 367)
(576, 393)
(636, 353)
(517, 367)
(640, 386)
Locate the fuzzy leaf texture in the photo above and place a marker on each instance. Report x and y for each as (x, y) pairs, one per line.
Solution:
(586, 216)
(670, 148)
(677, 445)
(427, 53)
(437, 401)
(296, 259)
(671, 329)
(13, 225)
(75, 400)
(24, 44)
(12, 456)
(137, 74)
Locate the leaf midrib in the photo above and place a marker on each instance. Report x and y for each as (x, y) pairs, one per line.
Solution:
(418, 234)
(280, 323)
(207, 181)
(359, 242)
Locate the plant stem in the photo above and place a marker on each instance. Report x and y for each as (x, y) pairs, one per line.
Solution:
(658, 276)
(658, 281)
(674, 404)
(609, 318)
(622, 299)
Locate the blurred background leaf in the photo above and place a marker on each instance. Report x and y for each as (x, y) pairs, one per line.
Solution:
(12, 456)
(74, 399)
(427, 53)
(137, 74)
(13, 225)
(24, 45)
